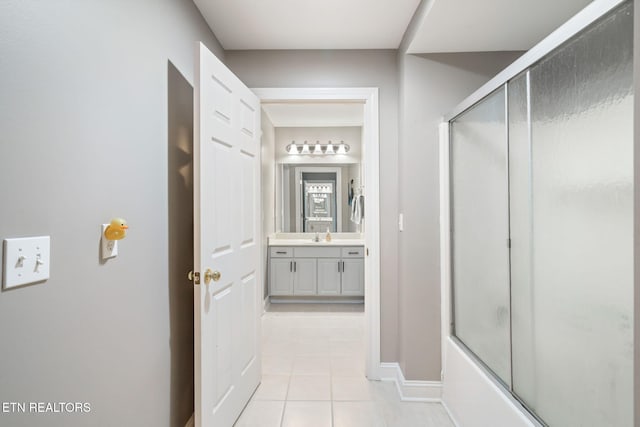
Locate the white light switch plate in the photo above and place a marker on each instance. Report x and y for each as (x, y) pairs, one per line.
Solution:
(109, 248)
(26, 260)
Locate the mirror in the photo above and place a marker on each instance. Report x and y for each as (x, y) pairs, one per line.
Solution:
(314, 198)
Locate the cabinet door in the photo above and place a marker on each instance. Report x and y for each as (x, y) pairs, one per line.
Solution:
(305, 278)
(281, 276)
(353, 277)
(329, 276)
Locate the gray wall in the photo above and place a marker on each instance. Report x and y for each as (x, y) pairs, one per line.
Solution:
(430, 86)
(347, 69)
(96, 119)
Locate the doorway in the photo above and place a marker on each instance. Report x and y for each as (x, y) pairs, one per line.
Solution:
(368, 98)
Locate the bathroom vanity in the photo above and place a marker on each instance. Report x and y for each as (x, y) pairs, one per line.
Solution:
(305, 268)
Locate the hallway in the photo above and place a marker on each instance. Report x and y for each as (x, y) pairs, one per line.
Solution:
(313, 375)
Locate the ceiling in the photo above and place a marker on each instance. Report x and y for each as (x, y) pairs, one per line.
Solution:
(308, 24)
(491, 25)
(439, 25)
(321, 114)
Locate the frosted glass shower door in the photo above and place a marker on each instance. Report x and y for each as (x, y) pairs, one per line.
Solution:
(480, 223)
(572, 229)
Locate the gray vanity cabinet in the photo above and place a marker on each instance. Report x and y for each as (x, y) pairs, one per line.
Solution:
(281, 276)
(289, 275)
(329, 276)
(353, 276)
(316, 270)
(304, 276)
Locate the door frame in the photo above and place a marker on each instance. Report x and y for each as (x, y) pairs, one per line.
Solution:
(368, 96)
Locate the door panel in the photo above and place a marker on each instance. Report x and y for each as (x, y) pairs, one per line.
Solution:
(281, 276)
(304, 282)
(353, 277)
(329, 276)
(226, 213)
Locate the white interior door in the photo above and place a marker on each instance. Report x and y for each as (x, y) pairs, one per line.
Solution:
(226, 228)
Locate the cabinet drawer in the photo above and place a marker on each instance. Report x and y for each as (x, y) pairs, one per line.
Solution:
(353, 252)
(280, 252)
(317, 252)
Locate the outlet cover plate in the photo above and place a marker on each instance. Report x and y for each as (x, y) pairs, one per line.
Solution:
(108, 248)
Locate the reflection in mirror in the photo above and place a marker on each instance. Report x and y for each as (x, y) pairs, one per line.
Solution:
(316, 198)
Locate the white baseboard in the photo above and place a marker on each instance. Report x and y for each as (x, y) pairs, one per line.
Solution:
(410, 390)
(451, 417)
(191, 422)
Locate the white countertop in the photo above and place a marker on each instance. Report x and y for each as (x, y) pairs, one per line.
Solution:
(322, 242)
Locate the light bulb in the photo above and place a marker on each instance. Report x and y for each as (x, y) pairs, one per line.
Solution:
(329, 149)
(292, 148)
(342, 149)
(305, 148)
(318, 148)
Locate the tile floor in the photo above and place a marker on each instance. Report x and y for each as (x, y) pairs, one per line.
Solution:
(313, 376)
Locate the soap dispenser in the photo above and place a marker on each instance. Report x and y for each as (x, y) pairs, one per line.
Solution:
(328, 235)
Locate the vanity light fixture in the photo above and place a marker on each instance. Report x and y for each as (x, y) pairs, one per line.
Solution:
(305, 148)
(292, 148)
(318, 148)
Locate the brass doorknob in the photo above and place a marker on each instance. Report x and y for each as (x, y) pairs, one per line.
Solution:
(190, 275)
(211, 275)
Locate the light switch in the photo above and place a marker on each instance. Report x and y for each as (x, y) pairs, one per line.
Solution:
(26, 261)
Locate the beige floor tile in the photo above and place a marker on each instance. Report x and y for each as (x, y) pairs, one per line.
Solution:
(311, 365)
(272, 387)
(261, 414)
(344, 366)
(350, 388)
(309, 387)
(357, 414)
(307, 414)
(279, 364)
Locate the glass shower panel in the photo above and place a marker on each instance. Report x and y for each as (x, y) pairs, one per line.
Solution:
(579, 315)
(523, 366)
(480, 257)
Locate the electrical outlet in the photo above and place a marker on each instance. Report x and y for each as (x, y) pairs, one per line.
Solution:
(109, 248)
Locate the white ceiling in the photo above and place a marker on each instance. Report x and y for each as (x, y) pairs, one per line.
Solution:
(308, 24)
(489, 25)
(315, 114)
(447, 25)
(439, 26)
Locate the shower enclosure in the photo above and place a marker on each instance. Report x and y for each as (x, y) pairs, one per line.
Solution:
(541, 218)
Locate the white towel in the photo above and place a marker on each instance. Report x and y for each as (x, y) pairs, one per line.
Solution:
(356, 209)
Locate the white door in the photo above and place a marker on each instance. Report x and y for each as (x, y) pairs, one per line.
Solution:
(226, 163)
